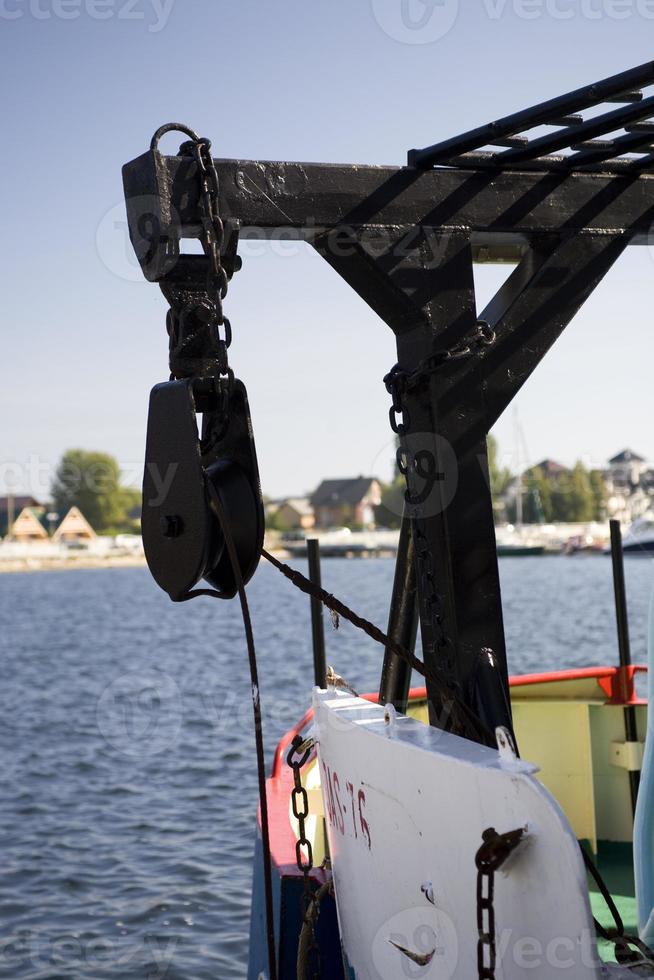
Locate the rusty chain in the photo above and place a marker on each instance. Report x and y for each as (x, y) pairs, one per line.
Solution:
(490, 857)
(196, 322)
(296, 759)
(398, 380)
(425, 466)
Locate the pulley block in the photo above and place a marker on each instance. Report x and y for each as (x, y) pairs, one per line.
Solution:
(183, 538)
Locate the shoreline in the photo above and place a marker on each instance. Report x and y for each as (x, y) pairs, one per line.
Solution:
(56, 564)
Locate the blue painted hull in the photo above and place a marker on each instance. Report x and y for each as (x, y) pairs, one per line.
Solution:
(287, 900)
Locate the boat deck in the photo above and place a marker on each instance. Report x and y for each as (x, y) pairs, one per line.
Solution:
(615, 862)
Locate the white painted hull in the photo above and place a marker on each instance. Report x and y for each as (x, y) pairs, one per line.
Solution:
(406, 806)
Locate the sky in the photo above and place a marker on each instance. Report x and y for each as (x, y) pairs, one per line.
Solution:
(86, 82)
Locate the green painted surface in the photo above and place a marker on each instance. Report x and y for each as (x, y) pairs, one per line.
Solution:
(615, 862)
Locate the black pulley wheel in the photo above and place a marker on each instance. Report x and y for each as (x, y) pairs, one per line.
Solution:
(243, 511)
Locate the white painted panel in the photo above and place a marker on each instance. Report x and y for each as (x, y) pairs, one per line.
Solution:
(406, 807)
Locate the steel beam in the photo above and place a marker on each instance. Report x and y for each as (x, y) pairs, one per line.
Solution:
(269, 198)
(402, 624)
(427, 297)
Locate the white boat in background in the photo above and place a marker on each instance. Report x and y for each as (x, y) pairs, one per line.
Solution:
(639, 540)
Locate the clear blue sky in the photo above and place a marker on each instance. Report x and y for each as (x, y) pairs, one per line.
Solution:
(338, 80)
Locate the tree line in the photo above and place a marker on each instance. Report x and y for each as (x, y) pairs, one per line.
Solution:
(577, 495)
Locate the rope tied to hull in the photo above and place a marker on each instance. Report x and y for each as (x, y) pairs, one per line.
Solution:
(459, 718)
(307, 933)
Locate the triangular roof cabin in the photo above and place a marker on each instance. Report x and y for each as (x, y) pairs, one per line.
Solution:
(27, 527)
(74, 527)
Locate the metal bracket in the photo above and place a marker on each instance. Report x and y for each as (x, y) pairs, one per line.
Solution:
(627, 755)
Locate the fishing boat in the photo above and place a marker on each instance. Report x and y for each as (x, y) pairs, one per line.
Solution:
(570, 723)
(450, 831)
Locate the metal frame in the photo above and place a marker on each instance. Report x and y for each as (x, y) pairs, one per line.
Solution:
(567, 130)
(405, 239)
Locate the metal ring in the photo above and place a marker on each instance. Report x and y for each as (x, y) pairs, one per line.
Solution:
(487, 334)
(171, 128)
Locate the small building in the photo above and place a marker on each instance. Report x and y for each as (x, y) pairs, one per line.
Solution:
(11, 505)
(74, 529)
(295, 514)
(346, 502)
(629, 486)
(27, 527)
(626, 469)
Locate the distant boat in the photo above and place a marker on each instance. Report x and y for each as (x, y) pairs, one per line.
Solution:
(516, 550)
(514, 542)
(639, 540)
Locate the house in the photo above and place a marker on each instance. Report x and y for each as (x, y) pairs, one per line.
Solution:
(347, 502)
(626, 469)
(295, 514)
(629, 486)
(74, 528)
(12, 505)
(550, 469)
(27, 527)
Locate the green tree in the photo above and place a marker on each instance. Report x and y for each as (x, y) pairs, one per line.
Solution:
(500, 476)
(537, 500)
(582, 503)
(574, 500)
(91, 481)
(389, 512)
(598, 490)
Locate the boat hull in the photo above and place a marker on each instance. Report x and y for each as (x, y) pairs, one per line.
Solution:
(574, 716)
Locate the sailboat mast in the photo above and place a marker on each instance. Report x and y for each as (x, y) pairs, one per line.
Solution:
(516, 439)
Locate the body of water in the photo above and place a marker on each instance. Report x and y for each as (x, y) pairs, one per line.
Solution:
(128, 785)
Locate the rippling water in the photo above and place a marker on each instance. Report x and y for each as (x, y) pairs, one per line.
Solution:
(127, 788)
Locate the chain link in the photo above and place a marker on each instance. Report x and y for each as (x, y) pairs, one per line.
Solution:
(213, 241)
(489, 858)
(398, 382)
(194, 326)
(296, 759)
